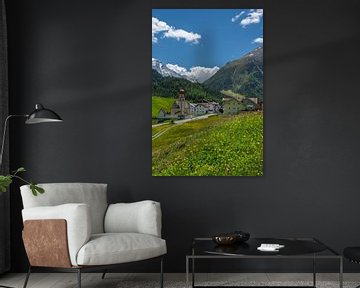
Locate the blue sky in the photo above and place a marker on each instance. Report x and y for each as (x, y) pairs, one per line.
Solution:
(204, 37)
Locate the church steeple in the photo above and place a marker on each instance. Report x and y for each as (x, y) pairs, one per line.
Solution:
(182, 101)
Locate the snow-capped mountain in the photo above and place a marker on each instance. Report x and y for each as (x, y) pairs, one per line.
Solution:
(163, 70)
(195, 74)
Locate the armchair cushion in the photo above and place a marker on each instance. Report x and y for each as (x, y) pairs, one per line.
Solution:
(92, 194)
(138, 217)
(113, 248)
(78, 221)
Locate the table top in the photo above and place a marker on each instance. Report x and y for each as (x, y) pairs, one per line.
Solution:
(293, 247)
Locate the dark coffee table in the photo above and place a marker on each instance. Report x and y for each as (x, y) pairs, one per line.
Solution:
(295, 248)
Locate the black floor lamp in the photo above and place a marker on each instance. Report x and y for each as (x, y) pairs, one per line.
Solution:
(39, 115)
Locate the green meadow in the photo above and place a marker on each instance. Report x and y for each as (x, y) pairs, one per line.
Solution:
(216, 146)
(160, 103)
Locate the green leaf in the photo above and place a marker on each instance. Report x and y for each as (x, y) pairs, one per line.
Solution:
(5, 182)
(33, 189)
(36, 189)
(20, 169)
(39, 189)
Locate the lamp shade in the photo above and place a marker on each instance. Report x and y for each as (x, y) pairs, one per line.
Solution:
(42, 115)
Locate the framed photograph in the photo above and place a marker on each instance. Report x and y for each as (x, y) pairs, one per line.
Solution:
(207, 92)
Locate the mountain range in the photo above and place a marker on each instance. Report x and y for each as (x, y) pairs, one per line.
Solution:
(163, 70)
(242, 76)
(194, 74)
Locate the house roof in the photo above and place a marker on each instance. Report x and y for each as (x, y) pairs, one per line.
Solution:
(248, 100)
(244, 100)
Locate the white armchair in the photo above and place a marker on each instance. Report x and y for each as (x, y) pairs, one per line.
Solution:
(72, 228)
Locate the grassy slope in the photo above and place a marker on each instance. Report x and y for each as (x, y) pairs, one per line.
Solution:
(243, 76)
(161, 102)
(159, 128)
(217, 146)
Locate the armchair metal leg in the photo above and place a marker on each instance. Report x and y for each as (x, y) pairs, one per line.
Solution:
(161, 272)
(79, 278)
(27, 277)
(103, 275)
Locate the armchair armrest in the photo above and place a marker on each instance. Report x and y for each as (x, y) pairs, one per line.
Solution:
(138, 217)
(78, 223)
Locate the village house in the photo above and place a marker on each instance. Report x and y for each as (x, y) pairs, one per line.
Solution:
(234, 106)
(250, 105)
(254, 99)
(209, 107)
(200, 109)
(215, 107)
(212, 106)
(192, 108)
(163, 114)
(259, 105)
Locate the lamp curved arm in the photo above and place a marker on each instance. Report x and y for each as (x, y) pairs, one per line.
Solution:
(4, 134)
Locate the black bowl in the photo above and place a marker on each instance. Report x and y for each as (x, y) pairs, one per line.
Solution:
(224, 239)
(231, 238)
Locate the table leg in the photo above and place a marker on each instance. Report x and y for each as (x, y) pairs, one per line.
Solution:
(341, 273)
(314, 271)
(193, 267)
(193, 272)
(187, 272)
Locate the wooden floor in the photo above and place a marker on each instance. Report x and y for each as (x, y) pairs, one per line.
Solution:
(114, 280)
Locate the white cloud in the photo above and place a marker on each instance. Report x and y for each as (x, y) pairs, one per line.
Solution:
(159, 26)
(197, 73)
(237, 16)
(253, 17)
(182, 34)
(258, 40)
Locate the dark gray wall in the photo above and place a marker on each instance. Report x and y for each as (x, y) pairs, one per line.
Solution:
(4, 166)
(90, 61)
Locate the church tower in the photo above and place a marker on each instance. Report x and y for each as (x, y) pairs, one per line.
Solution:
(182, 101)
